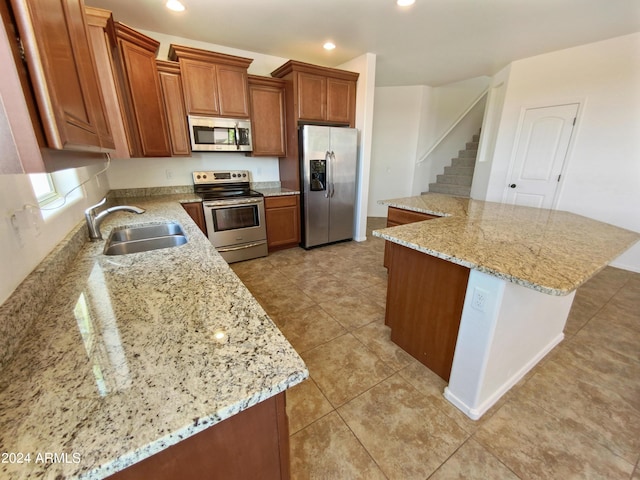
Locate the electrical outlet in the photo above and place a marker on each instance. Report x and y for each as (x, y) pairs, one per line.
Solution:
(169, 173)
(479, 299)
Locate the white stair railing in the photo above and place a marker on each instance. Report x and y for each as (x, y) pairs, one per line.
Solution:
(453, 125)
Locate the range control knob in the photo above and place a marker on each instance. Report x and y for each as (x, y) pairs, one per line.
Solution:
(244, 174)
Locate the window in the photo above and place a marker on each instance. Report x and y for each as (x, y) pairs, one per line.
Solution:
(43, 187)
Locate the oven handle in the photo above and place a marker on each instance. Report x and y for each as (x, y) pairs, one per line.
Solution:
(226, 203)
(241, 247)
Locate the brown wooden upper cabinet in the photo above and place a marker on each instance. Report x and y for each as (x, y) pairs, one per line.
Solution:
(321, 94)
(63, 74)
(268, 123)
(313, 94)
(214, 84)
(173, 99)
(141, 94)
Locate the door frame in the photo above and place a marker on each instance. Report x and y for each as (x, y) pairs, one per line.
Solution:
(567, 159)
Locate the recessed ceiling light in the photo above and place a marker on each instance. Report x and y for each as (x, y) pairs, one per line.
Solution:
(175, 5)
(405, 3)
(329, 46)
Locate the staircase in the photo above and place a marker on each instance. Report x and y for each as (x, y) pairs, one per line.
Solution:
(456, 179)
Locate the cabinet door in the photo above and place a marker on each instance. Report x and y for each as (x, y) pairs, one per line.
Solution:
(232, 91)
(341, 96)
(200, 85)
(62, 69)
(283, 221)
(195, 211)
(143, 85)
(312, 97)
(268, 120)
(174, 106)
(100, 24)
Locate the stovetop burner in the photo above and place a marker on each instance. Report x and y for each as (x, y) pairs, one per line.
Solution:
(221, 184)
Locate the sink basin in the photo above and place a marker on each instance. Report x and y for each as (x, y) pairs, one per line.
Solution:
(143, 238)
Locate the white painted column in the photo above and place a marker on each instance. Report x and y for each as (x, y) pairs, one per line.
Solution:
(505, 330)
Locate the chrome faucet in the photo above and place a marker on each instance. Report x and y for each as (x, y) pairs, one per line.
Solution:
(94, 221)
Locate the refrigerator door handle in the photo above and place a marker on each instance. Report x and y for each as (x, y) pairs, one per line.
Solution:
(333, 185)
(327, 161)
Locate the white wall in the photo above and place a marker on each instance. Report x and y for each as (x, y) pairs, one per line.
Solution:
(21, 252)
(396, 127)
(601, 179)
(365, 65)
(407, 122)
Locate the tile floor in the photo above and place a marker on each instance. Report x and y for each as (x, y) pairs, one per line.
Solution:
(371, 411)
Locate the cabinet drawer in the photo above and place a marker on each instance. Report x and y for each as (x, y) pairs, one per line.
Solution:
(399, 216)
(281, 201)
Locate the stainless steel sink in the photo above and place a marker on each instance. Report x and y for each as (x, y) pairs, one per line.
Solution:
(143, 238)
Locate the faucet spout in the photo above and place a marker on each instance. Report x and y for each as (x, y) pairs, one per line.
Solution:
(94, 220)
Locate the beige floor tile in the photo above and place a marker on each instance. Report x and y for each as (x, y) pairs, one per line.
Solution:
(259, 270)
(604, 332)
(305, 405)
(406, 435)
(431, 386)
(344, 368)
(353, 310)
(534, 444)
(308, 328)
(572, 394)
(376, 336)
(377, 293)
(473, 462)
(623, 309)
(323, 288)
(280, 298)
(328, 450)
(610, 369)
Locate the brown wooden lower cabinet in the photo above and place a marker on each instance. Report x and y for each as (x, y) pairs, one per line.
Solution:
(252, 444)
(195, 211)
(399, 216)
(283, 221)
(425, 296)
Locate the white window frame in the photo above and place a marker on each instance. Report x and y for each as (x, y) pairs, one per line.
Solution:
(45, 191)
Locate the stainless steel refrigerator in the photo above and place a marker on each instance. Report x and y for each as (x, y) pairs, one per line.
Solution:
(328, 158)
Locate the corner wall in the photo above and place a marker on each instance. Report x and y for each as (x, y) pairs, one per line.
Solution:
(601, 178)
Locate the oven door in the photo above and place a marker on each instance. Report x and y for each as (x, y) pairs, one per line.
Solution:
(235, 222)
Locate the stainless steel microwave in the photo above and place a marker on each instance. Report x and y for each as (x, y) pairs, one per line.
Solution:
(211, 134)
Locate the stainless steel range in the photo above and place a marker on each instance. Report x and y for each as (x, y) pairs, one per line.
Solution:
(234, 214)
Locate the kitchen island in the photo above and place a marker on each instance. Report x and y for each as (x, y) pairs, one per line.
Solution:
(136, 355)
(482, 294)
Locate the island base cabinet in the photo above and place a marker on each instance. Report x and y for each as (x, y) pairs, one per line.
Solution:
(425, 296)
(249, 445)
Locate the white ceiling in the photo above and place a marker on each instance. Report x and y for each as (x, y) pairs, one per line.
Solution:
(434, 42)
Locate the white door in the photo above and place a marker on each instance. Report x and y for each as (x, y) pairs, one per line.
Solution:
(541, 151)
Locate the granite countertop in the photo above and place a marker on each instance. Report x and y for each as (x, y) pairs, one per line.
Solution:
(276, 191)
(551, 251)
(136, 353)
